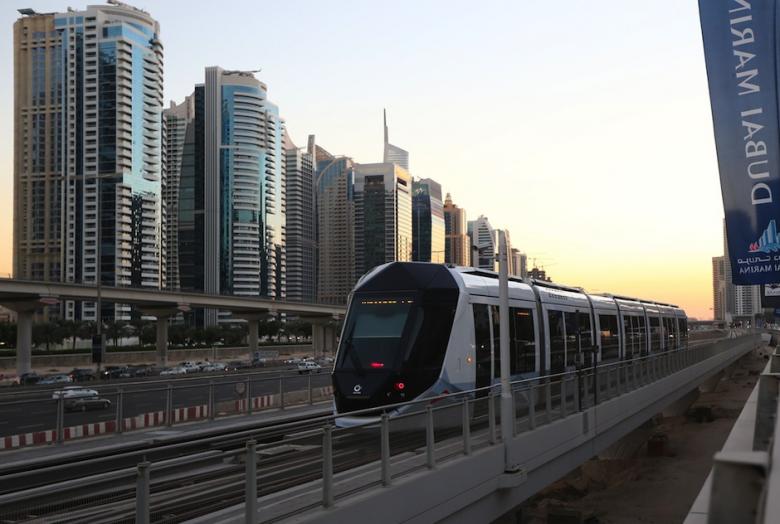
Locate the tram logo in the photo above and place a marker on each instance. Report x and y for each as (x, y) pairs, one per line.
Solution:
(769, 241)
(357, 389)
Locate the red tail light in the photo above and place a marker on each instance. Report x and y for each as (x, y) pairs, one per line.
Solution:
(399, 386)
(377, 365)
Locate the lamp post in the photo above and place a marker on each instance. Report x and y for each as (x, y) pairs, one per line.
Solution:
(507, 417)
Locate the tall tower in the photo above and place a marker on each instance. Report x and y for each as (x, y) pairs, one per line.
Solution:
(88, 170)
(383, 215)
(457, 246)
(427, 221)
(301, 231)
(335, 226)
(483, 243)
(393, 154)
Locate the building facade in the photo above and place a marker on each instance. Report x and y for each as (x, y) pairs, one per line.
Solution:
(231, 209)
(393, 154)
(335, 226)
(519, 263)
(720, 291)
(457, 246)
(427, 222)
(738, 301)
(301, 231)
(88, 167)
(383, 215)
(482, 241)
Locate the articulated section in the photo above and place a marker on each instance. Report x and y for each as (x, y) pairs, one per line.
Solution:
(483, 484)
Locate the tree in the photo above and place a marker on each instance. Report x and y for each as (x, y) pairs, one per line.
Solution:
(211, 334)
(47, 333)
(7, 335)
(115, 329)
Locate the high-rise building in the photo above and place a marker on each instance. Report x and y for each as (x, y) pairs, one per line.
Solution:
(301, 232)
(483, 244)
(457, 246)
(519, 263)
(87, 172)
(427, 221)
(394, 154)
(231, 209)
(740, 301)
(720, 288)
(539, 274)
(335, 227)
(176, 124)
(383, 215)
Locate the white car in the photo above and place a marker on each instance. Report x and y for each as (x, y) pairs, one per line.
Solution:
(177, 370)
(189, 367)
(74, 392)
(309, 367)
(212, 367)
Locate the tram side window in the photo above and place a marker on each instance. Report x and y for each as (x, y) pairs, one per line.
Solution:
(641, 328)
(610, 342)
(586, 334)
(522, 358)
(629, 329)
(655, 334)
(482, 339)
(495, 315)
(557, 341)
(684, 332)
(671, 333)
(572, 346)
(433, 335)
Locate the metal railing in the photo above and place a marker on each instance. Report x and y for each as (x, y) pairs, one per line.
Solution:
(47, 420)
(321, 463)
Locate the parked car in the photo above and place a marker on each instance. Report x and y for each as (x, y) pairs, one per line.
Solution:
(211, 367)
(308, 366)
(87, 403)
(176, 370)
(140, 371)
(56, 379)
(235, 365)
(189, 366)
(82, 375)
(72, 392)
(28, 378)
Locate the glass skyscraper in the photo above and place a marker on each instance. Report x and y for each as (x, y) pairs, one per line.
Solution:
(88, 171)
(483, 244)
(457, 245)
(393, 154)
(301, 231)
(231, 210)
(427, 221)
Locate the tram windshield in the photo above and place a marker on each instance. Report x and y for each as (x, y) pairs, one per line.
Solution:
(375, 329)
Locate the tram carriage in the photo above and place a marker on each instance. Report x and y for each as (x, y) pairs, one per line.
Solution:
(417, 330)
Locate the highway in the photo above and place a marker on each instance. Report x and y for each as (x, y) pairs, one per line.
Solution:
(31, 408)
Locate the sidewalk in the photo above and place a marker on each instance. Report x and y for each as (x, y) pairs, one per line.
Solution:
(140, 439)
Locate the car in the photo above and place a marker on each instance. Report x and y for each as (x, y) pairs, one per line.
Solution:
(309, 367)
(235, 365)
(175, 370)
(28, 378)
(56, 379)
(87, 403)
(111, 372)
(72, 392)
(211, 367)
(140, 371)
(82, 374)
(189, 366)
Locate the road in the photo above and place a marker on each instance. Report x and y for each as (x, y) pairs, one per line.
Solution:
(32, 409)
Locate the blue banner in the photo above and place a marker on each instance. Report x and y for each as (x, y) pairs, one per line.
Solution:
(741, 55)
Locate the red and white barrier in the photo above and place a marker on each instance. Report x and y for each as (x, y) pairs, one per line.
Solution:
(142, 421)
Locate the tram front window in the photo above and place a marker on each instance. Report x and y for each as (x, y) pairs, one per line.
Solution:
(374, 332)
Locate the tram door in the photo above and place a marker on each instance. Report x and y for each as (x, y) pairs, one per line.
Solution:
(484, 354)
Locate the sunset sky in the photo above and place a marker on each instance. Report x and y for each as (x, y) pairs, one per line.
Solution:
(582, 127)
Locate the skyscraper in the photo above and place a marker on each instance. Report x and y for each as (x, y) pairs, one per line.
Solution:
(300, 226)
(427, 221)
(383, 215)
(335, 227)
(519, 263)
(483, 244)
(394, 154)
(231, 212)
(457, 246)
(740, 301)
(88, 173)
(720, 289)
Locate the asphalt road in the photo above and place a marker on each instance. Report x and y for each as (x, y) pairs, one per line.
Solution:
(32, 408)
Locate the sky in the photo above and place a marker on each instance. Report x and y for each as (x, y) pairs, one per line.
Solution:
(584, 128)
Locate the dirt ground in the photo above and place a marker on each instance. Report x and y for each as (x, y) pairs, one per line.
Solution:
(637, 487)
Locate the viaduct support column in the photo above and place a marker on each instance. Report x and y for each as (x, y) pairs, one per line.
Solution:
(162, 340)
(24, 320)
(253, 336)
(317, 339)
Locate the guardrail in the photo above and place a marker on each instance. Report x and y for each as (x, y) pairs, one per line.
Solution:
(316, 467)
(204, 398)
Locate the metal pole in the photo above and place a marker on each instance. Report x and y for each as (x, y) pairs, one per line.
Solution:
(142, 494)
(327, 467)
(548, 400)
(169, 405)
(211, 400)
(503, 314)
(120, 416)
(60, 419)
(577, 405)
(281, 392)
(311, 397)
(492, 417)
(466, 427)
(563, 397)
(532, 407)
(385, 450)
(250, 497)
(430, 441)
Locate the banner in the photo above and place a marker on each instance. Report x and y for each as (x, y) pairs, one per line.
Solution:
(739, 50)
